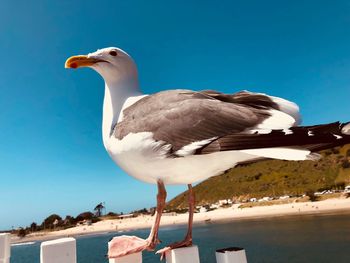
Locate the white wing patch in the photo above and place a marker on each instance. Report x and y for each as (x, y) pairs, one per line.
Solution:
(337, 136)
(277, 121)
(288, 107)
(141, 143)
(287, 116)
(189, 149)
(259, 131)
(287, 131)
(346, 129)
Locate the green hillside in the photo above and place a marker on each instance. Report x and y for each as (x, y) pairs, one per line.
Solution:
(274, 178)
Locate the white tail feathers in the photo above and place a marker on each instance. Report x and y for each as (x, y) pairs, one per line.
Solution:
(346, 129)
(283, 153)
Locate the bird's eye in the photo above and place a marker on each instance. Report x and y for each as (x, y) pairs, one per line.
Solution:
(113, 53)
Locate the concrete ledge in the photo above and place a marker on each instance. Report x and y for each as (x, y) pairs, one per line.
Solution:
(231, 255)
(183, 255)
(5, 247)
(61, 250)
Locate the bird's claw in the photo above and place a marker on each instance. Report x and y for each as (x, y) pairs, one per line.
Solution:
(163, 251)
(184, 243)
(125, 245)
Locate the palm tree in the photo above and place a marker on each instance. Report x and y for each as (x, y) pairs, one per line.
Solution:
(98, 209)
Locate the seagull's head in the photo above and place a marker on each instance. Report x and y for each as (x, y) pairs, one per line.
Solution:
(112, 63)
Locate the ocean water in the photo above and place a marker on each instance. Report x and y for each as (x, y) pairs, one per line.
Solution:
(307, 238)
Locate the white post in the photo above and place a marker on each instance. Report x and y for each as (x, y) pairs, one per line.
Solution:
(183, 255)
(231, 255)
(5, 251)
(61, 250)
(132, 258)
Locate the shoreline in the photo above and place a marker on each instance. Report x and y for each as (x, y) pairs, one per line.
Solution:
(233, 213)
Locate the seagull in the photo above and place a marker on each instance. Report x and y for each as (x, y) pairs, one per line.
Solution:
(183, 136)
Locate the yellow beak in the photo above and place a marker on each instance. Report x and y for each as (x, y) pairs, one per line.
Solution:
(80, 61)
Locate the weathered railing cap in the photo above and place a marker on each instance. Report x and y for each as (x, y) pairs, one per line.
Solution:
(230, 249)
(5, 251)
(231, 255)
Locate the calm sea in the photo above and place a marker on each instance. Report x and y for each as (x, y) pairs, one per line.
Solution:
(308, 238)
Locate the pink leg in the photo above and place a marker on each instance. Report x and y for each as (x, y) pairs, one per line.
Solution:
(125, 245)
(161, 197)
(188, 238)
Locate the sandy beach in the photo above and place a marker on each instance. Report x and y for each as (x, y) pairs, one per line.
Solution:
(336, 205)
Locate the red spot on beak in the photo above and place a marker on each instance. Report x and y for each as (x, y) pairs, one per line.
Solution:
(74, 65)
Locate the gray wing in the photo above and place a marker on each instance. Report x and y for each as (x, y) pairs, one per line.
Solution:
(224, 122)
(182, 117)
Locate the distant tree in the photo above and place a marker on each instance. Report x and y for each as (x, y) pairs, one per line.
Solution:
(49, 221)
(335, 150)
(33, 227)
(327, 152)
(340, 185)
(152, 211)
(84, 216)
(98, 209)
(143, 211)
(311, 195)
(345, 164)
(69, 220)
(21, 232)
(87, 216)
(112, 214)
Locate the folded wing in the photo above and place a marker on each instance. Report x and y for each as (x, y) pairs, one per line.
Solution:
(208, 121)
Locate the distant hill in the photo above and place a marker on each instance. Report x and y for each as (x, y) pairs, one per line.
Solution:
(274, 178)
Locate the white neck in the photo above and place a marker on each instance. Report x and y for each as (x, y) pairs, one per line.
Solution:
(116, 93)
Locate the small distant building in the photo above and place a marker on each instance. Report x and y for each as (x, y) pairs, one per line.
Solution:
(214, 206)
(125, 216)
(202, 209)
(284, 197)
(85, 222)
(347, 189)
(320, 193)
(169, 214)
(223, 202)
(253, 199)
(267, 198)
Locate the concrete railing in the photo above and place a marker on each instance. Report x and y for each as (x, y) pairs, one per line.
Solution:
(5, 251)
(63, 250)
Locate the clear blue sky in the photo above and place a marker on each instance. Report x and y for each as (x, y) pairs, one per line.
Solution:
(51, 155)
